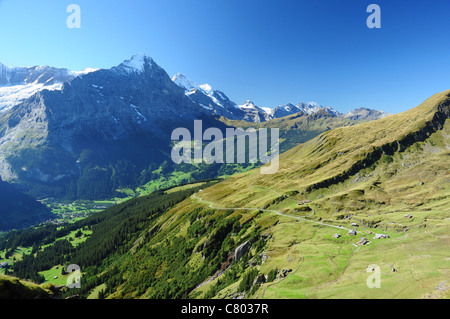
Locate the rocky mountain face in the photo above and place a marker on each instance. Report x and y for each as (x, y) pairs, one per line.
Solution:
(37, 74)
(253, 113)
(211, 100)
(96, 133)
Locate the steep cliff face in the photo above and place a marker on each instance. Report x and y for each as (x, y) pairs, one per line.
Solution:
(97, 133)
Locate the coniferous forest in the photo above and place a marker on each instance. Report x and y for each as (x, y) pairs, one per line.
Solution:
(131, 227)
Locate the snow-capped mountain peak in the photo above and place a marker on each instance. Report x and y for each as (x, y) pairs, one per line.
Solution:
(190, 88)
(310, 107)
(366, 113)
(182, 81)
(136, 63)
(248, 105)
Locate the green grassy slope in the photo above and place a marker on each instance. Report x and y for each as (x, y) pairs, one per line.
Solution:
(372, 174)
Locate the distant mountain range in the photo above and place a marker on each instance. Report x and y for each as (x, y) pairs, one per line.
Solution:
(68, 134)
(218, 103)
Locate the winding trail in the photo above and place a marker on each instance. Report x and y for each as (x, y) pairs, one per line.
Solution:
(211, 205)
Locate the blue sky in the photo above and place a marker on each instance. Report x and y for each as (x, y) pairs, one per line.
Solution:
(272, 52)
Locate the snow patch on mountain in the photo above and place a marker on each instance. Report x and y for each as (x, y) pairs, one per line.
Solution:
(137, 111)
(268, 110)
(20, 83)
(83, 72)
(182, 81)
(206, 88)
(189, 86)
(13, 95)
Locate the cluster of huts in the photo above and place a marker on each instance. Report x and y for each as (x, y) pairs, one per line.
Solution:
(363, 240)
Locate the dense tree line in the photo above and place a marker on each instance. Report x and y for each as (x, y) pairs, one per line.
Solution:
(155, 266)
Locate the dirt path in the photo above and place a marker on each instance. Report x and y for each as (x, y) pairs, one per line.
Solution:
(211, 205)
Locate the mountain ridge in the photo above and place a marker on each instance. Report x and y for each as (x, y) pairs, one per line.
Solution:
(252, 113)
(19, 83)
